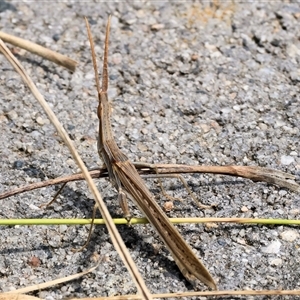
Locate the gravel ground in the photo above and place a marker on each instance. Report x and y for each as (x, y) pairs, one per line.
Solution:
(190, 83)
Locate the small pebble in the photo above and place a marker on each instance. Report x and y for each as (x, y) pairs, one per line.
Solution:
(56, 37)
(286, 159)
(206, 128)
(292, 50)
(144, 131)
(289, 235)
(295, 75)
(18, 164)
(211, 225)
(34, 207)
(274, 247)
(276, 262)
(40, 121)
(295, 211)
(63, 228)
(157, 26)
(241, 241)
(244, 209)
(168, 206)
(12, 115)
(116, 58)
(34, 262)
(142, 147)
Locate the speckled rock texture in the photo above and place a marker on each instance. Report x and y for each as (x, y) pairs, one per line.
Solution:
(190, 83)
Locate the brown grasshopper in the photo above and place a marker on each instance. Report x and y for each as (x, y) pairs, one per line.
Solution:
(125, 178)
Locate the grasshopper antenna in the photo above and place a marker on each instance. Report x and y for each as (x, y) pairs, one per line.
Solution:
(105, 60)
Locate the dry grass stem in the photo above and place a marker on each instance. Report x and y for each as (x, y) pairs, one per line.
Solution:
(39, 50)
(47, 284)
(114, 234)
(16, 296)
(198, 294)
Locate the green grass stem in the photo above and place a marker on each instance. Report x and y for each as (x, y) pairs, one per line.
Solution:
(14, 222)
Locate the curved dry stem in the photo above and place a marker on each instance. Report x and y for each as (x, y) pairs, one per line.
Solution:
(39, 50)
(114, 234)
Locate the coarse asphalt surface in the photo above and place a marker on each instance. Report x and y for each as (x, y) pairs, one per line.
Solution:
(190, 83)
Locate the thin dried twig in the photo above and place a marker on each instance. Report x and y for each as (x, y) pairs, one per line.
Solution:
(206, 293)
(47, 284)
(17, 297)
(39, 50)
(64, 179)
(114, 234)
(14, 296)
